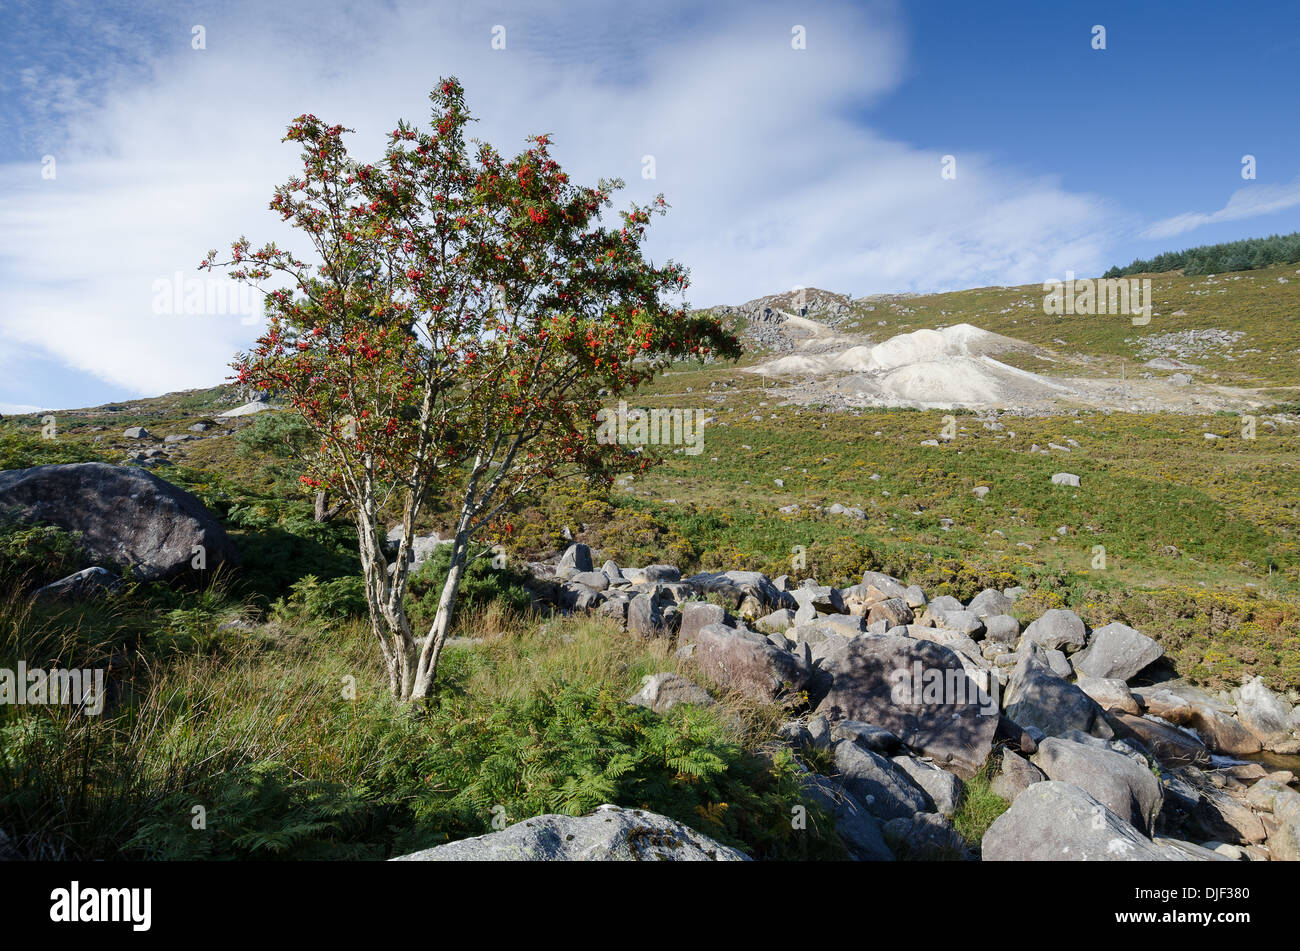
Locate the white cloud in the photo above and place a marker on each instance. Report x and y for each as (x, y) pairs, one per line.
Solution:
(770, 184)
(1250, 201)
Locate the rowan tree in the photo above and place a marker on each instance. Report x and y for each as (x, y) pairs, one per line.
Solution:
(465, 319)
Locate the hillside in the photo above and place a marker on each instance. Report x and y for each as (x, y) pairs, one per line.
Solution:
(1179, 526)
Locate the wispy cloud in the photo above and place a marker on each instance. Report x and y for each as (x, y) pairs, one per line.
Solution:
(1250, 201)
(770, 184)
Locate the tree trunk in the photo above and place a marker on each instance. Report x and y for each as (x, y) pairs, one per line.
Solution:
(437, 636)
(325, 511)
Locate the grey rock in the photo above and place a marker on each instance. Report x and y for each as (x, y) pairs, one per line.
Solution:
(925, 836)
(1059, 629)
(126, 517)
(1036, 696)
(1055, 821)
(917, 690)
(700, 614)
(645, 616)
(85, 585)
(1130, 791)
(944, 788)
(578, 557)
(661, 692)
(747, 663)
(1117, 651)
(610, 834)
(1015, 775)
(989, 602)
(882, 788)
(857, 828)
(1002, 628)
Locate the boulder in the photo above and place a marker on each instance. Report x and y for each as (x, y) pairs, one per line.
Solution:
(1038, 697)
(1130, 791)
(1055, 821)
(1066, 478)
(775, 622)
(700, 614)
(857, 828)
(866, 735)
(1015, 775)
(1110, 694)
(823, 598)
(137, 432)
(1284, 805)
(918, 690)
(882, 788)
(1118, 652)
(662, 692)
(645, 616)
(127, 517)
(1002, 628)
(1058, 629)
(595, 580)
(82, 586)
(666, 573)
(746, 662)
(610, 834)
(893, 611)
(988, 603)
(1168, 744)
(1261, 711)
(925, 836)
(578, 557)
(887, 585)
(943, 787)
(1222, 732)
(751, 592)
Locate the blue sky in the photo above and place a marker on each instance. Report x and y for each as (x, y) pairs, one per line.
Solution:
(783, 167)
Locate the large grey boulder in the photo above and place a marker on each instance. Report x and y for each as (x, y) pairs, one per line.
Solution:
(925, 836)
(884, 789)
(1264, 713)
(662, 692)
(645, 616)
(887, 585)
(988, 603)
(1055, 821)
(1169, 745)
(1127, 789)
(1038, 697)
(127, 517)
(748, 663)
(751, 592)
(1284, 805)
(919, 691)
(1001, 628)
(610, 834)
(857, 828)
(943, 787)
(1058, 629)
(577, 557)
(697, 615)
(1117, 651)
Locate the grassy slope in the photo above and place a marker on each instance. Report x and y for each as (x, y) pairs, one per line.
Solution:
(1253, 302)
(1200, 537)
